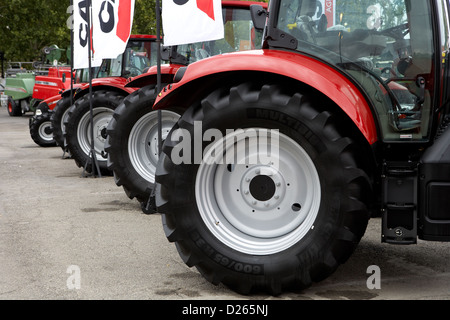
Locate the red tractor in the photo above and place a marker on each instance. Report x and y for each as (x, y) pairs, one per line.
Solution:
(132, 142)
(40, 124)
(48, 91)
(282, 155)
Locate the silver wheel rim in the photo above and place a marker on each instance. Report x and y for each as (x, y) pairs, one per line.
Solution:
(249, 223)
(143, 142)
(101, 118)
(44, 128)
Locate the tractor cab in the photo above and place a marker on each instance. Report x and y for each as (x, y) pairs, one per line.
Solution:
(396, 53)
(240, 35)
(137, 59)
(390, 51)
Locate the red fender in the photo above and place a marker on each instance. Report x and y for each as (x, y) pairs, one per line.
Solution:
(112, 83)
(167, 73)
(52, 101)
(312, 72)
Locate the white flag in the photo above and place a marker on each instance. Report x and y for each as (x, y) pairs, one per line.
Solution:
(189, 21)
(112, 21)
(81, 36)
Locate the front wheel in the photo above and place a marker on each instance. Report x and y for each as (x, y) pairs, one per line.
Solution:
(41, 131)
(278, 200)
(14, 109)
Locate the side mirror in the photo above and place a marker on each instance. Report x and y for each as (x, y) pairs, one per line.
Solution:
(165, 53)
(259, 15)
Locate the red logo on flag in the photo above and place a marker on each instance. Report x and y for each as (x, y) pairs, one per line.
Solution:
(124, 23)
(207, 6)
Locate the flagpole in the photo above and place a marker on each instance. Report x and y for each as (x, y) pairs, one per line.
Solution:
(150, 206)
(158, 68)
(92, 152)
(71, 65)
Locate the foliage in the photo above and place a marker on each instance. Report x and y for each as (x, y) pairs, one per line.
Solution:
(392, 12)
(144, 21)
(27, 26)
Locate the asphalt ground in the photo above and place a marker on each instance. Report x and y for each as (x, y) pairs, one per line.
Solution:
(66, 237)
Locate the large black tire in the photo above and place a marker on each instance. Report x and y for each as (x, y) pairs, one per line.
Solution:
(14, 108)
(59, 116)
(78, 132)
(132, 142)
(41, 130)
(257, 227)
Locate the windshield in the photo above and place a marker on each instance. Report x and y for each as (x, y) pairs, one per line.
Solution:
(240, 35)
(384, 45)
(137, 58)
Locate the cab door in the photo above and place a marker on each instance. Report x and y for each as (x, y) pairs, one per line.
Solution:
(434, 169)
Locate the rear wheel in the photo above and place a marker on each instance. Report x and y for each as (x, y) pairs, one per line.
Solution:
(263, 220)
(132, 142)
(78, 128)
(41, 131)
(14, 108)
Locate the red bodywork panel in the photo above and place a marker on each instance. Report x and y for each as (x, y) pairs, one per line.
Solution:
(307, 70)
(51, 84)
(167, 73)
(52, 101)
(142, 36)
(107, 83)
(242, 4)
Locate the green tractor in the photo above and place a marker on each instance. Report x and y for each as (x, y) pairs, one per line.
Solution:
(18, 92)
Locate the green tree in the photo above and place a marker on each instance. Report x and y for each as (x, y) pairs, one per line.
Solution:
(26, 26)
(144, 21)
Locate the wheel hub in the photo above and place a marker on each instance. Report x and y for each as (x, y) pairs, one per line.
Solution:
(45, 131)
(103, 133)
(101, 118)
(48, 130)
(262, 188)
(100, 124)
